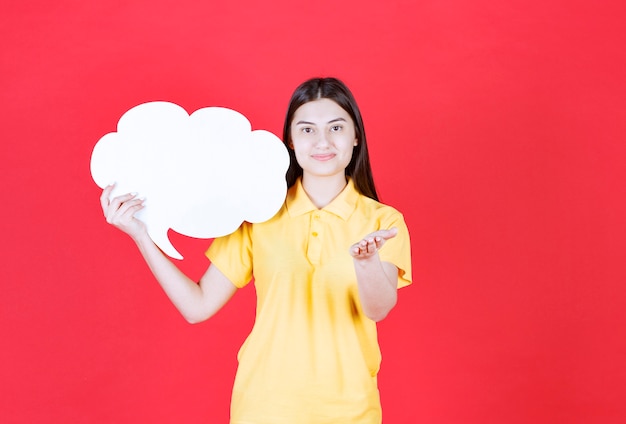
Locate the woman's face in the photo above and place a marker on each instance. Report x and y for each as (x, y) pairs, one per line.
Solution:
(323, 138)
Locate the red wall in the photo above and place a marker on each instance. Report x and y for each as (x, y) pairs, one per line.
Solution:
(496, 127)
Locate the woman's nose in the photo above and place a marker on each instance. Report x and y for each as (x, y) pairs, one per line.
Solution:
(322, 139)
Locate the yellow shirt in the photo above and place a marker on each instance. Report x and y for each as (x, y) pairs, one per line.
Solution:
(312, 355)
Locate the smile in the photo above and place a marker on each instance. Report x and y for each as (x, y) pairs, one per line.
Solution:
(323, 157)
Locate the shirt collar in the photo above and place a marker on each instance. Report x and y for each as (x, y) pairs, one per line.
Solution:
(298, 202)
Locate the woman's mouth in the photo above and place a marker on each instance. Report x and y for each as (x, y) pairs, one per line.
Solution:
(323, 157)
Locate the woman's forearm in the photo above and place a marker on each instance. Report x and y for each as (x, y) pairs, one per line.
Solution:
(377, 282)
(196, 302)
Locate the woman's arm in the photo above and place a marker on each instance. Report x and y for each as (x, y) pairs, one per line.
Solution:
(196, 302)
(377, 280)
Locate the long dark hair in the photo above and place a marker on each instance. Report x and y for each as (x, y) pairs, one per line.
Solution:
(359, 169)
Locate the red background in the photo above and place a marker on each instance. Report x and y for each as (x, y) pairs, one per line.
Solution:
(496, 127)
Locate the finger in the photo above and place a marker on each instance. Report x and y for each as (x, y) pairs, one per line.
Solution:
(129, 213)
(104, 197)
(118, 207)
(127, 218)
(356, 250)
(363, 246)
(367, 246)
(387, 234)
(371, 245)
(131, 205)
(118, 201)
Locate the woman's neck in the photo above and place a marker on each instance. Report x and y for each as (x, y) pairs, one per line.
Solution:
(323, 190)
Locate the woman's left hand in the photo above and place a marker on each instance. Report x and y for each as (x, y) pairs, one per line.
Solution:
(371, 243)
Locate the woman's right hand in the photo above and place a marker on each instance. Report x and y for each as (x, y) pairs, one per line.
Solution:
(120, 212)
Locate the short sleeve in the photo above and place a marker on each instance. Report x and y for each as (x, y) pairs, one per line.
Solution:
(232, 255)
(398, 249)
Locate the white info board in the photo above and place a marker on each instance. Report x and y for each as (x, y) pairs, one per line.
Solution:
(201, 175)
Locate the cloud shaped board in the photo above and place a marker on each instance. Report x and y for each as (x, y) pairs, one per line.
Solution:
(202, 174)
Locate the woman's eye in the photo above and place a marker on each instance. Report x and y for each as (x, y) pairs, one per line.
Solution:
(307, 130)
(335, 128)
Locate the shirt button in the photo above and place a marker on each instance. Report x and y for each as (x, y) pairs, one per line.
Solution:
(316, 216)
(314, 233)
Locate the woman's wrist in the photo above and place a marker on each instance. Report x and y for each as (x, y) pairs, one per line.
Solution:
(142, 239)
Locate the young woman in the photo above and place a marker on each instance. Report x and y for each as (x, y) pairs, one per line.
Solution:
(326, 267)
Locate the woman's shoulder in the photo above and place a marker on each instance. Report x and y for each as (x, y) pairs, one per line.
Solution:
(380, 209)
(277, 217)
